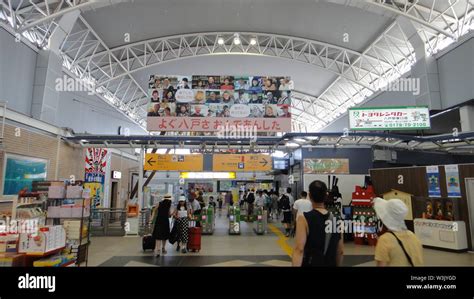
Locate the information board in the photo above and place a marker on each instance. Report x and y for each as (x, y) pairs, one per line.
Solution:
(389, 118)
(243, 162)
(169, 162)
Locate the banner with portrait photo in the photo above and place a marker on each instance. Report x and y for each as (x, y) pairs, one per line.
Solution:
(206, 103)
(97, 164)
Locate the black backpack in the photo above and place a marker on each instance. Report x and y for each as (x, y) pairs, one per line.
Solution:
(285, 202)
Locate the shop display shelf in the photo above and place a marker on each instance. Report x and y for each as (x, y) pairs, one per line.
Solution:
(54, 251)
(70, 263)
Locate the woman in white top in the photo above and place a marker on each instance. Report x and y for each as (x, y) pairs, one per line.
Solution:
(182, 221)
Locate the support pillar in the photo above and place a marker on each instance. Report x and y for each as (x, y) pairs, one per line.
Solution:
(49, 67)
(140, 200)
(466, 114)
(425, 69)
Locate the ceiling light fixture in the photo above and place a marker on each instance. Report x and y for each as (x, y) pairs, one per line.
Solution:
(236, 39)
(292, 144)
(220, 41)
(253, 41)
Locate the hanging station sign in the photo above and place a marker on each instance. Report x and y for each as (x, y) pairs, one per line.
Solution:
(244, 162)
(389, 118)
(169, 162)
(208, 103)
(326, 166)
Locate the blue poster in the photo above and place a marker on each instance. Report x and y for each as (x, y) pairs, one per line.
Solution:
(21, 171)
(432, 174)
(452, 180)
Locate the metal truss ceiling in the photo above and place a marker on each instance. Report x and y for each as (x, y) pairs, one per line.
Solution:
(112, 68)
(463, 143)
(438, 22)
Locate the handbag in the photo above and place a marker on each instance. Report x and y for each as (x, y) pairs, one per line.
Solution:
(174, 233)
(404, 250)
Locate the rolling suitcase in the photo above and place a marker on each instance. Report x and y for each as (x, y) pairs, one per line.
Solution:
(148, 242)
(194, 241)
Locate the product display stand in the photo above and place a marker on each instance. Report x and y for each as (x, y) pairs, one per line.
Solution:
(365, 233)
(74, 214)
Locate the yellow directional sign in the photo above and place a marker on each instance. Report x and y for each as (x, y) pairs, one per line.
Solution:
(170, 162)
(243, 162)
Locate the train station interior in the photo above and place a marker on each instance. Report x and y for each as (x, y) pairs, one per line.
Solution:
(156, 133)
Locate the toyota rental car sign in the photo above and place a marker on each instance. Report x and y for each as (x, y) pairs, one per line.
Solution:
(389, 118)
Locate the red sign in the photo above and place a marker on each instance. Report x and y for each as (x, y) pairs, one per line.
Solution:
(213, 124)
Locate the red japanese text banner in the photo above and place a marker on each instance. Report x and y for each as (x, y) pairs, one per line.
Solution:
(213, 124)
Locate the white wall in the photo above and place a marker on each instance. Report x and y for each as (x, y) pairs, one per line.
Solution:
(456, 81)
(17, 70)
(456, 75)
(85, 113)
(77, 110)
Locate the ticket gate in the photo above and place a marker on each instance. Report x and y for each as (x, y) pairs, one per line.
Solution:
(208, 220)
(260, 224)
(234, 220)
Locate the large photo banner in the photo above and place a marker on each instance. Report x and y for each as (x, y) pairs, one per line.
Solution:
(96, 162)
(203, 103)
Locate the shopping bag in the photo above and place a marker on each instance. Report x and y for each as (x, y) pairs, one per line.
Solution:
(174, 234)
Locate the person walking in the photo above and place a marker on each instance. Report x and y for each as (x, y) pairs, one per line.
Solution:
(397, 246)
(268, 202)
(194, 207)
(259, 199)
(286, 204)
(302, 205)
(274, 208)
(250, 199)
(182, 215)
(161, 230)
(315, 246)
(220, 200)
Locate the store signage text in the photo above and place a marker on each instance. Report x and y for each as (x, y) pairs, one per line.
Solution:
(326, 166)
(203, 124)
(389, 118)
(168, 162)
(243, 162)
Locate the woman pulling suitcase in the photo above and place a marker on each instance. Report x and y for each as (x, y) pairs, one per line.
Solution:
(161, 230)
(182, 216)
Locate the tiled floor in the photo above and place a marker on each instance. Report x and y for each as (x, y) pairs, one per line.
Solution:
(247, 249)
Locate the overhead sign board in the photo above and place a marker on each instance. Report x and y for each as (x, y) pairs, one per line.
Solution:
(209, 103)
(168, 162)
(244, 162)
(326, 166)
(389, 118)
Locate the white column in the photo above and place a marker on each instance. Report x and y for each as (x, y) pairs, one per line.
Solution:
(49, 68)
(425, 69)
(466, 114)
(140, 178)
